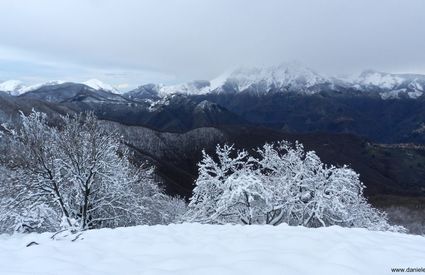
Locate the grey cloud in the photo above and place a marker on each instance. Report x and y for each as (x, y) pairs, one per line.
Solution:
(194, 39)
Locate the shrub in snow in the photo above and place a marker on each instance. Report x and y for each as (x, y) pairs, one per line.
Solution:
(282, 183)
(75, 176)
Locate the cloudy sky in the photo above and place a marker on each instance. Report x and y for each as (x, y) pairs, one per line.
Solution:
(132, 42)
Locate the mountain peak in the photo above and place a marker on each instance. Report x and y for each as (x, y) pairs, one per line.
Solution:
(16, 87)
(286, 76)
(379, 79)
(99, 85)
(11, 86)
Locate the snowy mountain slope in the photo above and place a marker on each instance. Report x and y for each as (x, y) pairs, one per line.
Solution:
(153, 92)
(40, 85)
(211, 249)
(287, 76)
(12, 87)
(292, 77)
(99, 85)
(378, 79)
(73, 92)
(17, 87)
(390, 85)
(194, 87)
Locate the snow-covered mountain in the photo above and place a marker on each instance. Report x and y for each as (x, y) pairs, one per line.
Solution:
(153, 91)
(286, 77)
(17, 87)
(99, 85)
(390, 85)
(291, 77)
(12, 87)
(40, 85)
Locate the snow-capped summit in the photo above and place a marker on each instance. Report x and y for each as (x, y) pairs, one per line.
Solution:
(192, 88)
(16, 87)
(286, 76)
(40, 85)
(99, 85)
(12, 87)
(379, 79)
(389, 86)
(296, 78)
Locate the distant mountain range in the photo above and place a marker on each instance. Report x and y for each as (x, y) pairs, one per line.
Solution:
(17, 87)
(382, 107)
(292, 78)
(287, 77)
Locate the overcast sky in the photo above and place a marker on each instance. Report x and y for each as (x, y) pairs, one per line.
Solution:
(132, 42)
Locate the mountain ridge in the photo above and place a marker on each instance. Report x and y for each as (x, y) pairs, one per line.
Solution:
(283, 79)
(286, 77)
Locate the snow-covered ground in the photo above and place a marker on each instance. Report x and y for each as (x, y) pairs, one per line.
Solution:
(208, 249)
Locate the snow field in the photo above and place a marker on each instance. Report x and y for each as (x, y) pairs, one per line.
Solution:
(213, 249)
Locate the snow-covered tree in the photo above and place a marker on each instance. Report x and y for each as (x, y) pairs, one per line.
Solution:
(280, 183)
(244, 198)
(33, 187)
(205, 204)
(78, 175)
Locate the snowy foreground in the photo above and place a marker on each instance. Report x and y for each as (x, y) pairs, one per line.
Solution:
(208, 249)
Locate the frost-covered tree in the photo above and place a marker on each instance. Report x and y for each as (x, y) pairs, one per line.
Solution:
(244, 197)
(307, 192)
(78, 175)
(207, 204)
(31, 193)
(25, 216)
(280, 183)
(102, 183)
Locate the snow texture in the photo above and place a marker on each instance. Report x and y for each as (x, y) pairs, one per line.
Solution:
(212, 249)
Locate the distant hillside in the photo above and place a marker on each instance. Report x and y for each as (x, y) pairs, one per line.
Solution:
(384, 170)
